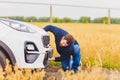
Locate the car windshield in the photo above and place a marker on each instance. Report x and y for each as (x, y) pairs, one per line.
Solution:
(16, 25)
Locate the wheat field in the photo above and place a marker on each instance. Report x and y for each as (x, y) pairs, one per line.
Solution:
(100, 43)
(100, 48)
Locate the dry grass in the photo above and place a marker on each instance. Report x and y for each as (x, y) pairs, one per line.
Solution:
(94, 73)
(100, 47)
(20, 74)
(100, 43)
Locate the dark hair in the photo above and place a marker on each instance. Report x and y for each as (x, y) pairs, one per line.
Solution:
(69, 38)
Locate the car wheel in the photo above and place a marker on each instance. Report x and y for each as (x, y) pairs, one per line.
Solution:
(2, 60)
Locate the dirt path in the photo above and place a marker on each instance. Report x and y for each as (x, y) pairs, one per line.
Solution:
(52, 74)
(96, 73)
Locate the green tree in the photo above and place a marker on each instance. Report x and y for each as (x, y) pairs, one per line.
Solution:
(31, 19)
(85, 19)
(20, 18)
(57, 20)
(66, 19)
(103, 20)
(115, 20)
(43, 19)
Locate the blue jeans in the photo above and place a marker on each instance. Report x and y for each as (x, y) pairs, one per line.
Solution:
(75, 62)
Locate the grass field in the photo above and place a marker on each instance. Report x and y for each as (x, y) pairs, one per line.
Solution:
(100, 43)
(100, 47)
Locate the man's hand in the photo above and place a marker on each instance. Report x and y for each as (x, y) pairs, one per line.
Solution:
(52, 59)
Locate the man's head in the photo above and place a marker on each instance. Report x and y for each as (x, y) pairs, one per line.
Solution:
(66, 40)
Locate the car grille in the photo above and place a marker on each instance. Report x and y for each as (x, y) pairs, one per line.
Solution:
(46, 41)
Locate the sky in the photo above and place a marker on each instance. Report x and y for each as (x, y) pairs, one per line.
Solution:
(61, 8)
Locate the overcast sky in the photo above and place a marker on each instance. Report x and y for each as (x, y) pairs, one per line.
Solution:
(59, 8)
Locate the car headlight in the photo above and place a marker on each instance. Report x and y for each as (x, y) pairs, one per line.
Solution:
(22, 27)
(17, 25)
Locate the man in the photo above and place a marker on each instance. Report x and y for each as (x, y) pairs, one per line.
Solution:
(66, 47)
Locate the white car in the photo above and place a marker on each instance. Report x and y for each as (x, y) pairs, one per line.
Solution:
(23, 44)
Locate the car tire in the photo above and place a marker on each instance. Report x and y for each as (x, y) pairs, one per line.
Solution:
(2, 59)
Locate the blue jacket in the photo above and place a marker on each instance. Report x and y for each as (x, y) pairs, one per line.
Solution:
(65, 52)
